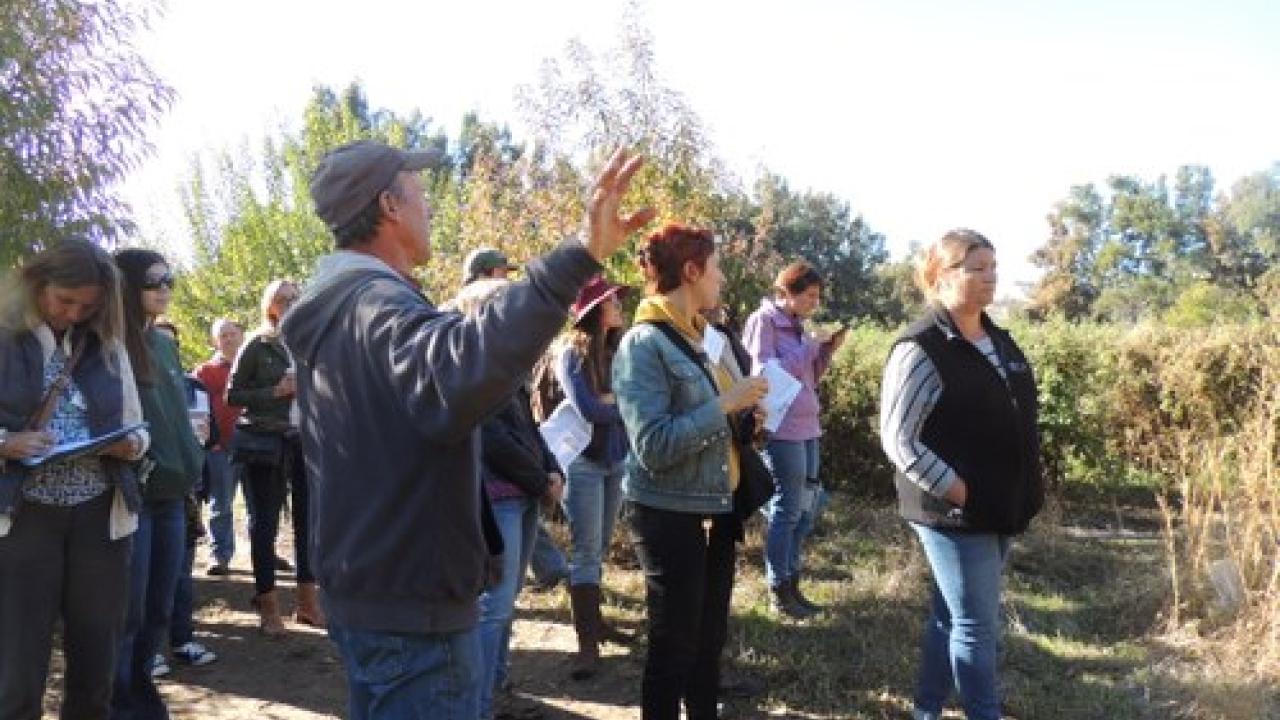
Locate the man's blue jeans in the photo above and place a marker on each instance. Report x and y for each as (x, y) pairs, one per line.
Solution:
(158, 548)
(592, 496)
(517, 519)
(222, 497)
(962, 636)
(795, 467)
(410, 676)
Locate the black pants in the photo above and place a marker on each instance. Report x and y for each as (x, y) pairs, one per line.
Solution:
(59, 561)
(688, 580)
(265, 488)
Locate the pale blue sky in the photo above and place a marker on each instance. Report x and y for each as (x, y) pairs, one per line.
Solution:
(924, 115)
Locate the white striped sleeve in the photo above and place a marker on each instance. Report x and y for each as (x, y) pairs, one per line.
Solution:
(910, 389)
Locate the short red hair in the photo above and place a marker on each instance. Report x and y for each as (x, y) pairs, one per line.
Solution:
(663, 256)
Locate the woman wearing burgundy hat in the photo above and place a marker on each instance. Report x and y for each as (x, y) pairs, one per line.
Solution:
(593, 490)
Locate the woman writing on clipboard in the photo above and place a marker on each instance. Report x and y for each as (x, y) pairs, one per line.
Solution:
(65, 526)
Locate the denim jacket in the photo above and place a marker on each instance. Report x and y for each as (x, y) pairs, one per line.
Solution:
(679, 435)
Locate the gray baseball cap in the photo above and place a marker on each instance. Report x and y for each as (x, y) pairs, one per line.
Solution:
(349, 177)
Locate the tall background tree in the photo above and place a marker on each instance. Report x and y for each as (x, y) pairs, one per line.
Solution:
(75, 101)
(1138, 251)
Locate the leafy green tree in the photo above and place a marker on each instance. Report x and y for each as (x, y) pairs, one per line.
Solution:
(1071, 281)
(75, 101)
(1203, 304)
(250, 217)
(824, 230)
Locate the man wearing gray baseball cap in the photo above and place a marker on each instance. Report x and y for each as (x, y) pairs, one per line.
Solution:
(391, 393)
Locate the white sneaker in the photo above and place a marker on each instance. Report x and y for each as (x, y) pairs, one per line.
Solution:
(924, 715)
(193, 653)
(160, 666)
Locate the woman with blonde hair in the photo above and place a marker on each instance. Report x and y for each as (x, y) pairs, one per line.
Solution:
(66, 525)
(958, 419)
(267, 452)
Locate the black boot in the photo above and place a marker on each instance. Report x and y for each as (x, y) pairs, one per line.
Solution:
(784, 602)
(805, 602)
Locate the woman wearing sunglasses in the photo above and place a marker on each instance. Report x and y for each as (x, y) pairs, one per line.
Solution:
(171, 467)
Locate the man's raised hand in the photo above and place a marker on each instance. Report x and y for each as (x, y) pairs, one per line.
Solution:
(606, 231)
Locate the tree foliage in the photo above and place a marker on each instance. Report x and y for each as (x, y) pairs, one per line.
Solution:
(1137, 249)
(75, 101)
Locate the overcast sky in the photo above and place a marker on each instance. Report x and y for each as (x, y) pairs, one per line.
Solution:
(923, 114)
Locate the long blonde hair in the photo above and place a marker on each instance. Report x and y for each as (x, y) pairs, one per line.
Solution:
(270, 326)
(70, 264)
(945, 253)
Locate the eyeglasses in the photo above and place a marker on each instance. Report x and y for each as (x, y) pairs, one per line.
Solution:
(155, 283)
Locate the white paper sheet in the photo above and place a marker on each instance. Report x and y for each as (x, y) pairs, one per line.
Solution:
(783, 389)
(567, 433)
(713, 343)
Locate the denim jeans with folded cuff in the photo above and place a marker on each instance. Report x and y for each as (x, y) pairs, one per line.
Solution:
(410, 676)
(795, 469)
(961, 640)
(592, 496)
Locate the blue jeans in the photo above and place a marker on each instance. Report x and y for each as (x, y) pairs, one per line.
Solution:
(795, 468)
(962, 636)
(222, 497)
(517, 519)
(182, 627)
(410, 676)
(158, 548)
(592, 495)
(548, 564)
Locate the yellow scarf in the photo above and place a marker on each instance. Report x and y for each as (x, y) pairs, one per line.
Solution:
(657, 308)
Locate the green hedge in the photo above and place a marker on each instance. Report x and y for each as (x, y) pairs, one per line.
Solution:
(1121, 407)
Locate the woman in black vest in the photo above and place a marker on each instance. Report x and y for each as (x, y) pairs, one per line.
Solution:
(65, 526)
(958, 421)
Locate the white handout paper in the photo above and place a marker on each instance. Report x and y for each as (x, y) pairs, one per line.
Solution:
(713, 343)
(783, 389)
(567, 433)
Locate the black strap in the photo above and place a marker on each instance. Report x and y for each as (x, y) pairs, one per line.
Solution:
(698, 358)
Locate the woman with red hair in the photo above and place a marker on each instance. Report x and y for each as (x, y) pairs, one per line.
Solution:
(680, 409)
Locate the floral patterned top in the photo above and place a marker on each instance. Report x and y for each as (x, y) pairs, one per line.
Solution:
(68, 482)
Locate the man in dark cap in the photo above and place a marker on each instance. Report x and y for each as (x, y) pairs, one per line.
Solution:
(391, 393)
(485, 262)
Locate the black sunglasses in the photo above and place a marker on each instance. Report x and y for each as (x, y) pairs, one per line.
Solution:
(155, 283)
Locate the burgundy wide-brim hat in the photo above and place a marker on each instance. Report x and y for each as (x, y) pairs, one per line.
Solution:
(596, 291)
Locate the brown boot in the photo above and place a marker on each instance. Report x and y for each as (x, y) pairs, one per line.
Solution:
(307, 610)
(604, 631)
(585, 601)
(268, 607)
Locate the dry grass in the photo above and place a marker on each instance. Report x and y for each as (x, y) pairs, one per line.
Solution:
(1222, 536)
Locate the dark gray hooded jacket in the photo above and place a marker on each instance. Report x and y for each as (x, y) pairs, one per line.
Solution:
(392, 392)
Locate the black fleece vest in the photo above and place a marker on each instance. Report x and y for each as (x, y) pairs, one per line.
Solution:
(983, 426)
